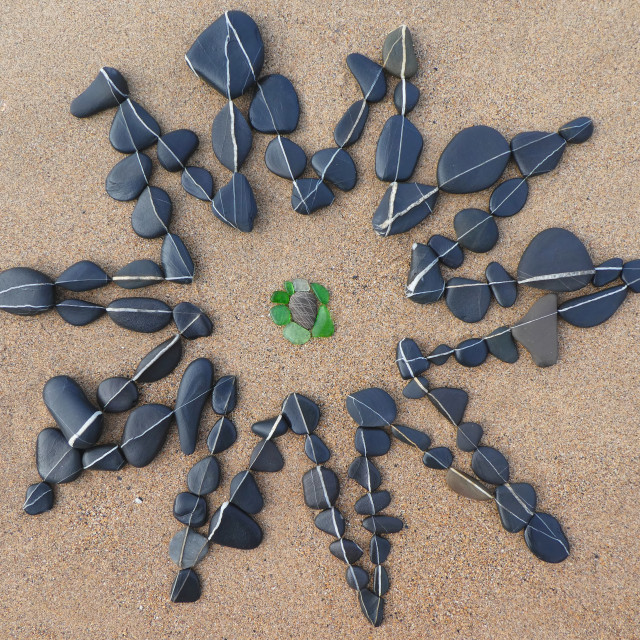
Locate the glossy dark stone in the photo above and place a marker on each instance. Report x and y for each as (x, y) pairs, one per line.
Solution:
(80, 422)
(473, 160)
(448, 251)
(537, 331)
(118, 394)
(144, 315)
(372, 606)
(416, 388)
(409, 359)
(468, 436)
(336, 167)
(232, 527)
(398, 55)
(351, 125)
(222, 435)
(104, 457)
(160, 361)
(79, 312)
(129, 178)
(139, 274)
(191, 321)
(450, 402)
(57, 462)
(371, 503)
(316, 450)
(369, 75)
(398, 150)
(380, 581)
(371, 442)
(607, 272)
(509, 197)
(198, 183)
(187, 548)
(379, 549)
(502, 285)
(424, 281)
(303, 306)
(195, 386)
(545, 538)
(244, 493)
(467, 486)
(176, 261)
(440, 354)
(577, 131)
(108, 90)
(438, 458)
(38, 499)
(82, 276)
(204, 477)
(275, 107)
(383, 524)
(321, 488)
(357, 577)
(593, 309)
(631, 275)
(516, 505)
(472, 352)
(26, 292)
(501, 345)
(271, 427)
(285, 158)
(346, 550)
(555, 260)
(266, 457)
(186, 587)
(490, 465)
(228, 54)
(231, 137)
(309, 195)
(330, 521)
(476, 230)
(144, 433)
(537, 152)
(175, 149)
(405, 97)
(410, 436)
(133, 128)
(468, 299)
(152, 214)
(403, 206)
(371, 407)
(235, 203)
(190, 509)
(365, 473)
(303, 414)
(225, 395)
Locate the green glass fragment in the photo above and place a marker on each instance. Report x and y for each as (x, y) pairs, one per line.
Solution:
(321, 292)
(289, 287)
(323, 327)
(300, 284)
(296, 334)
(280, 314)
(280, 296)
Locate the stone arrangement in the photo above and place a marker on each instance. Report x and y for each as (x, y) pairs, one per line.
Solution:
(302, 310)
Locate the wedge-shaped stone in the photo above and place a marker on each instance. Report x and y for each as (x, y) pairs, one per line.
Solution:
(371, 503)
(365, 473)
(516, 505)
(275, 107)
(186, 587)
(151, 216)
(303, 414)
(232, 527)
(108, 90)
(56, 461)
(369, 75)
(537, 152)
(316, 450)
(129, 178)
(117, 394)
(330, 521)
(537, 331)
(309, 195)
(198, 183)
(187, 548)
(450, 402)
(222, 436)
(595, 308)
(38, 499)
(79, 312)
(160, 361)
(410, 436)
(335, 166)
(191, 321)
(379, 549)
(225, 395)
(133, 128)
(409, 359)
(467, 486)
(244, 493)
(176, 261)
(104, 457)
(351, 125)
(175, 149)
(266, 457)
(346, 550)
(371, 407)
(285, 158)
(398, 56)
(372, 606)
(204, 477)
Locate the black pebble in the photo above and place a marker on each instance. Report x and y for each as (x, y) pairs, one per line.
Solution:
(56, 461)
(409, 359)
(440, 354)
(160, 361)
(410, 436)
(285, 158)
(472, 352)
(79, 312)
(501, 345)
(346, 550)
(108, 90)
(372, 502)
(371, 407)
(175, 149)
(26, 292)
(594, 308)
(266, 457)
(416, 388)
(82, 276)
(321, 488)
(380, 581)
(438, 458)
(128, 179)
(225, 395)
(468, 299)
(118, 394)
(365, 473)
(631, 275)
(139, 274)
(222, 435)
(448, 251)
(537, 152)
(383, 524)
(371, 442)
(38, 499)
(372, 606)
(204, 477)
(309, 195)
(274, 108)
(186, 587)
(379, 549)
(490, 465)
(369, 75)
(405, 97)
(232, 527)
(509, 197)
(516, 505)
(468, 436)
(176, 261)
(502, 285)
(133, 128)
(235, 203)
(545, 538)
(303, 414)
(450, 402)
(271, 427)
(244, 493)
(335, 166)
(330, 521)
(151, 216)
(476, 230)
(351, 125)
(357, 577)
(191, 321)
(577, 131)
(316, 450)
(144, 433)
(424, 281)
(190, 509)
(231, 137)
(198, 183)
(104, 457)
(398, 150)
(144, 315)
(607, 272)
(403, 206)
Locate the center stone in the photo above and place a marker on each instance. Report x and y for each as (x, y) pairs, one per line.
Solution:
(304, 308)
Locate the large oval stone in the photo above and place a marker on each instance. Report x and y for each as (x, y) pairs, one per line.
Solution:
(25, 292)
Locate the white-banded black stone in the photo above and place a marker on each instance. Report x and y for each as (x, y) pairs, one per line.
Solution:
(316, 450)
(473, 160)
(405, 97)
(56, 461)
(117, 394)
(222, 435)
(631, 275)
(398, 150)
(555, 260)
(144, 433)
(320, 487)
(190, 509)
(285, 158)
(372, 606)
(438, 458)
(235, 203)
(129, 178)
(176, 261)
(186, 587)
(231, 137)
(537, 331)
(476, 230)
(194, 390)
(139, 274)
(424, 281)
(266, 457)
(372, 502)
(501, 345)
(303, 306)
(133, 128)
(335, 166)
(502, 285)
(198, 183)
(330, 521)
(271, 427)
(79, 312)
(346, 550)
(175, 148)
(467, 299)
(372, 442)
(204, 477)
(409, 359)
(383, 524)
(303, 414)
(450, 402)
(104, 457)
(160, 361)
(448, 251)
(151, 216)
(309, 195)
(593, 309)
(472, 352)
(516, 505)
(365, 473)
(25, 291)
(369, 75)
(38, 499)
(351, 125)
(379, 549)
(275, 107)
(380, 581)
(191, 321)
(537, 152)
(398, 55)
(225, 395)
(577, 131)
(440, 354)
(607, 272)
(82, 276)
(490, 465)
(509, 197)
(187, 548)
(144, 315)
(108, 90)
(80, 422)
(372, 407)
(416, 388)
(244, 493)
(357, 577)
(410, 436)
(545, 538)
(232, 527)
(468, 436)
(403, 206)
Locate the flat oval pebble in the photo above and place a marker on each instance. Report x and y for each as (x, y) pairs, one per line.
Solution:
(335, 166)
(440, 354)
(501, 345)
(372, 442)
(82, 276)
(235, 203)
(409, 359)
(175, 149)
(357, 577)
(79, 312)
(222, 435)
(204, 477)
(225, 395)
(369, 75)
(186, 587)
(365, 473)
(516, 505)
(190, 509)
(118, 394)
(274, 108)
(424, 281)
(545, 538)
(405, 97)
(285, 158)
(151, 216)
(509, 197)
(191, 321)
(160, 361)
(490, 465)
(176, 261)
(448, 251)
(372, 502)
(232, 527)
(108, 90)
(266, 457)
(472, 352)
(398, 55)
(607, 272)
(577, 131)
(56, 461)
(403, 206)
(468, 436)
(476, 230)
(139, 274)
(537, 331)
(416, 388)
(410, 436)
(271, 427)
(316, 450)
(468, 299)
(438, 458)
(593, 309)
(466, 486)
(371, 407)
(379, 549)
(198, 183)
(631, 275)
(144, 433)
(303, 414)
(330, 521)
(187, 548)
(450, 402)
(231, 137)
(144, 315)
(502, 285)
(26, 292)
(244, 493)
(372, 606)
(351, 125)
(309, 195)
(104, 457)
(320, 487)
(346, 550)
(133, 128)
(129, 178)
(537, 152)
(383, 524)
(380, 581)
(38, 499)
(398, 150)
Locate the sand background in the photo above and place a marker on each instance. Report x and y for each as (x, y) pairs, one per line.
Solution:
(96, 566)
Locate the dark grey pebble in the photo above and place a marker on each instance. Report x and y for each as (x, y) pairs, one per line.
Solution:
(398, 150)
(144, 315)
(449, 252)
(266, 457)
(371, 407)
(416, 388)
(468, 299)
(309, 195)
(79, 312)
(335, 166)
(321, 488)
(330, 521)
(468, 436)
(379, 549)
(398, 55)
(160, 361)
(225, 395)
(139, 274)
(424, 281)
(151, 216)
(303, 414)
(232, 527)
(357, 577)
(235, 203)
(383, 524)
(176, 261)
(440, 354)
(82, 276)
(577, 131)
(244, 493)
(490, 465)
(198, 183)
(190, 509)
(285, 158)
(186, 587)
(537, 152)
(472, 352)
(502, 285)
(380, 581)
(371, 442)
(405, 97)
(450, 402)
(133, 128)
(537, 331)
(191, 321)
(316, 450)
(26, 292)
(476, 230)
(275, 107)
(129, 178)
(545, 538)
(372, 606)
(351, 125)
(410, 436)
(231, 137)
(118, 394)
(104, 457)
(271, 427)
(222, 435)
(108, 90)
(369, 75)
(144, 433)
(516, 505)
(175, 148)
(403, 206)
(607, 272)
(346, 550)
(56, 461)
(303, 306)
(438, 458)
(38, 499)
(187, 548)
(372, 502)
(594, 308)
(365, 473)
(409, 359)
(509, 197)
(501, 345)
(204, 477)
(631, 275)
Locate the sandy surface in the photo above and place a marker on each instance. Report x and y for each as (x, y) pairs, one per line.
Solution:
(97, 566)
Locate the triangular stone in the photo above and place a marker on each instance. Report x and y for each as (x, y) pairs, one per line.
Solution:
(450, 402)
(266, 457)
(133, 128)
(537, 331)
(108, 90)
(235, 203)
(244, 493)
(369, 75)
(232, 527)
